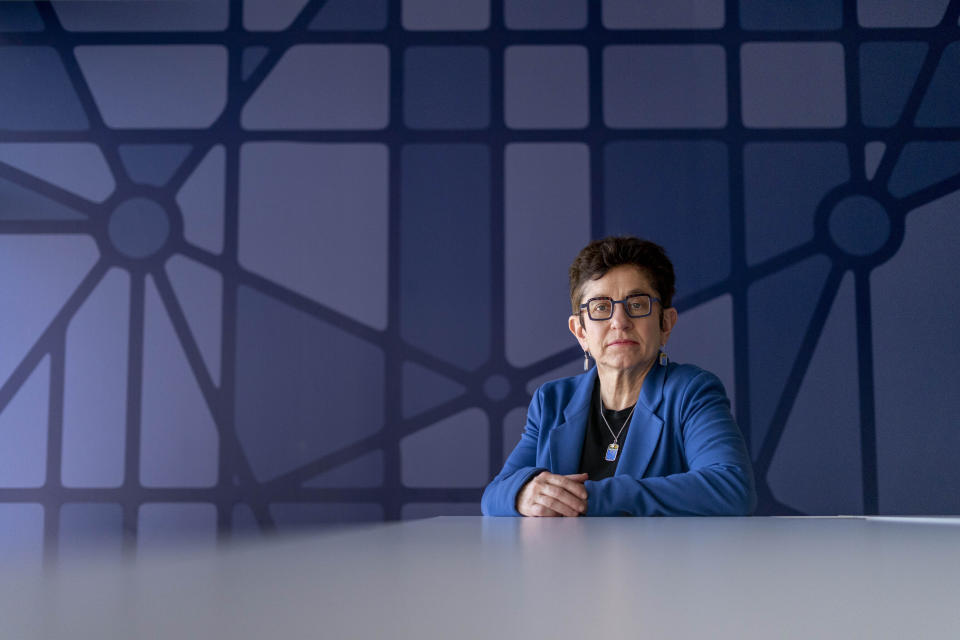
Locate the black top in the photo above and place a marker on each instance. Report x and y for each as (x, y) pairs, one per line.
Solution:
(598, 438)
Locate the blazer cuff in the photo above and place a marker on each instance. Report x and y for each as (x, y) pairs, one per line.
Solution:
(500, 497)
(522, 479)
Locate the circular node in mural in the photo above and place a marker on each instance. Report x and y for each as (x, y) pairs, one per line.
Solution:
(138, 228)
(859, 225)
(497, 387)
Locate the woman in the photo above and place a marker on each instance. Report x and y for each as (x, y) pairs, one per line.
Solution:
(636, 434)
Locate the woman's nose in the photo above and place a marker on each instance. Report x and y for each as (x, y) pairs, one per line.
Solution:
(620, 317)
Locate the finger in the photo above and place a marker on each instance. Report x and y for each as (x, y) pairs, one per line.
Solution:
(542, 511)
(556, 506)
(572, 486)
(579, 478)
(525, 500)
(559, 485)
(528, 506)
(560, 494)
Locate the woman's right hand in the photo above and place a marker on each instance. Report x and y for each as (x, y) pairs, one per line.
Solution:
(549, 494)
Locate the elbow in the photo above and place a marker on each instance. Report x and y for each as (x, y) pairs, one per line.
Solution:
(739, 492)
(747, 503)
(752, 502)
(745, 498)
(492, 502)
(486, 502)
(500, 496)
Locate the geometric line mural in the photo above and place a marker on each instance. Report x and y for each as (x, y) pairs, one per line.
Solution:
(266, 269)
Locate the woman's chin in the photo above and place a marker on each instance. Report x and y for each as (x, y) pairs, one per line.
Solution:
(625, 364)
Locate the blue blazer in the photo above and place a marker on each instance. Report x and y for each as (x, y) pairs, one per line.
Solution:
(683, 453)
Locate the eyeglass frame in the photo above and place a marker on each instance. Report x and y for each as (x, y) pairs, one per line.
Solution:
(614, 303)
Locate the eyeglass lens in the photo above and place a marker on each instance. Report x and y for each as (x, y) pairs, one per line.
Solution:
(636, 306)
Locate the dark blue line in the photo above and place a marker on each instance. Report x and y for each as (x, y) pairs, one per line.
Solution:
(594, 41)
(241, 90)
(63, 43)
(236, 36)
(132, 489)
(857, 138)
(50, 191)
(191, 349)
(187, 167)
(44, 227)
(334, 318)
(929, 194)
(52, 335)
(51, 505)
(233, 459)
(799, 370)
(497, 148)
(868, 426)
(738, 261)
(393, 382)
(398, 133)
(380, 439)
(898, 137)
(63, 495)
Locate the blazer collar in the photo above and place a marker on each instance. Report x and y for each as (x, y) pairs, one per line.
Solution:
(566, 441)
(646, 426)
(651, 393)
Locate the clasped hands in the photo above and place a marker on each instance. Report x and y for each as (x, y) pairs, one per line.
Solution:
(549, 494)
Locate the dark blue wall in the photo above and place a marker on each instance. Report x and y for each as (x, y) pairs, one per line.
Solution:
(293, 262)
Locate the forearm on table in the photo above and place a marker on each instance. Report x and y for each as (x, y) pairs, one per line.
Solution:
(500, 496)
(717, 490)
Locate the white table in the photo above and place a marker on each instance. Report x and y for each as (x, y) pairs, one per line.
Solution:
(472, 577)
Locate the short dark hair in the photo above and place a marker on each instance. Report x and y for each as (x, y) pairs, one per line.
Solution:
(598, 257)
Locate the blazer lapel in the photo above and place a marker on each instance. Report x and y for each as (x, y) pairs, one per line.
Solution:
(646, 427)
(566, 440)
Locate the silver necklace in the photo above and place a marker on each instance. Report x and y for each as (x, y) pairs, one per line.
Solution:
(614, 447)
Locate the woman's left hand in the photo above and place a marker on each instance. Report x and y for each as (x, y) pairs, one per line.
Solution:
(550, 494)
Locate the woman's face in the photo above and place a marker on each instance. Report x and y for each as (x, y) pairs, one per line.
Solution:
(623, 343)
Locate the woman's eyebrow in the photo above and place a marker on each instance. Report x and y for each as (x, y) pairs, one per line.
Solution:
(632, 292)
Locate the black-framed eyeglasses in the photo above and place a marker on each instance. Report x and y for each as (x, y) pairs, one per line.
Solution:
(639, 305)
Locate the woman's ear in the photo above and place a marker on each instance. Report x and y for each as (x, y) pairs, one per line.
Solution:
(578, 331)
(667, 322)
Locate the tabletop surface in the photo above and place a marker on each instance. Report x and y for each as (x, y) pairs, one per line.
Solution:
(474, 577)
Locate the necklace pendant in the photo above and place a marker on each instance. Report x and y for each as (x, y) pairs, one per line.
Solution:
(612, 452)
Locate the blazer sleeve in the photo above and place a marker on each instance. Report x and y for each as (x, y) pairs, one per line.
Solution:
(719, 480)
(500, 496)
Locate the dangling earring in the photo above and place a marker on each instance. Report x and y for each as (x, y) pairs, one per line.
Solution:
(663, 359)
(586, 360)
